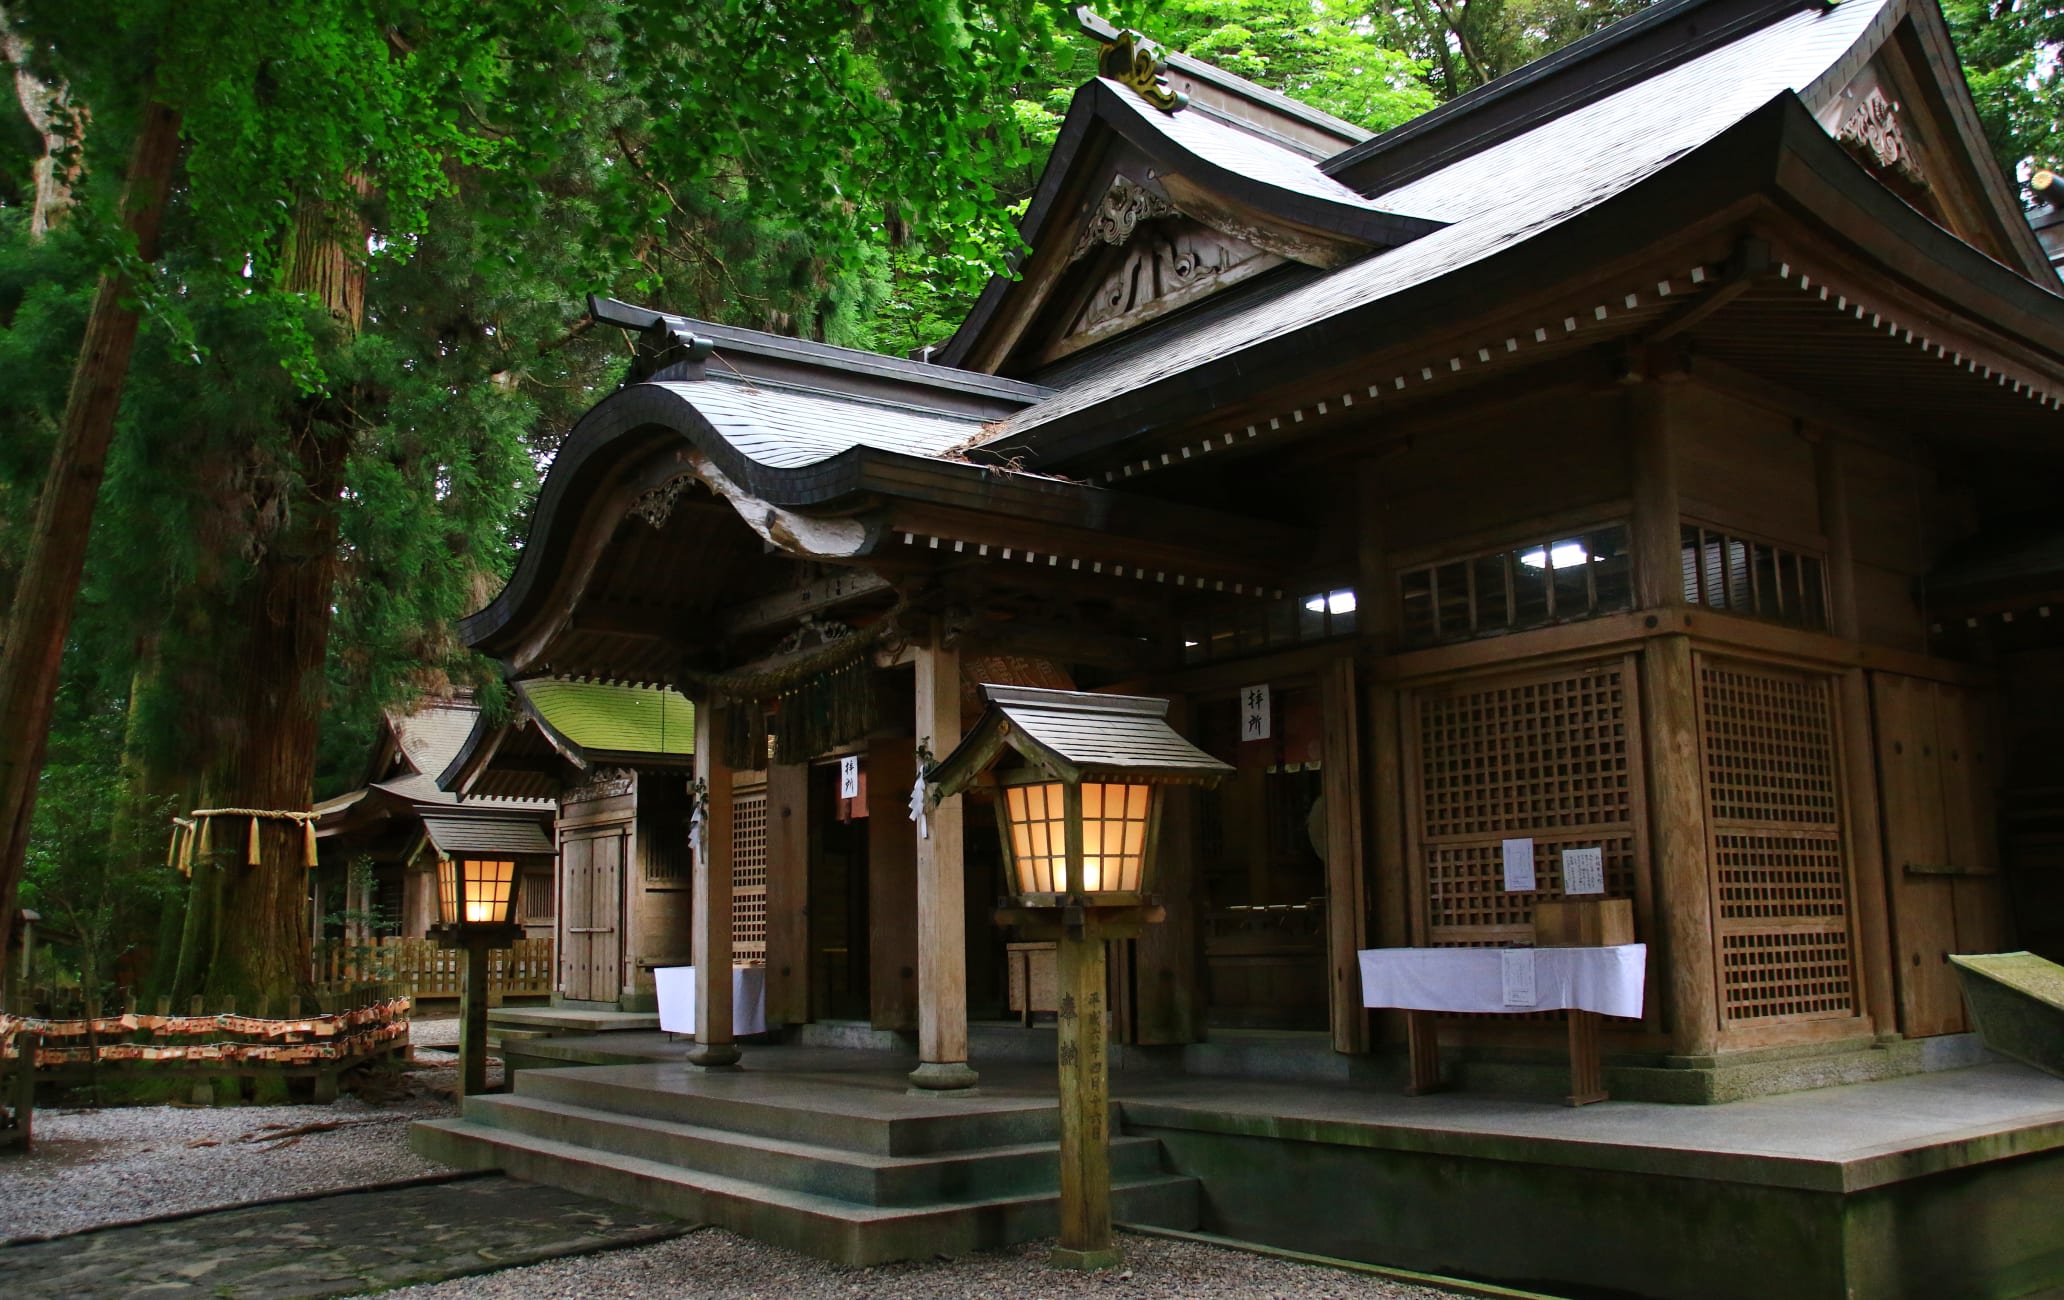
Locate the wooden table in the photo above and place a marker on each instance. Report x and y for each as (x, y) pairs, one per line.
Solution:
(1427, 982)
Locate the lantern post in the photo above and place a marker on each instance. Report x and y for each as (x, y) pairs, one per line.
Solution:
(476, 900)
(1078, 781)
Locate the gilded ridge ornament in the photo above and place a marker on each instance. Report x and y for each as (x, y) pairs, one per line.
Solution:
(1132, 60)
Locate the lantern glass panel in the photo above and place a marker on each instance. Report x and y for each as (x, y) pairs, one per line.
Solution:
(1114, 836)
(1039, 837)
(485, 888)
(448, 891)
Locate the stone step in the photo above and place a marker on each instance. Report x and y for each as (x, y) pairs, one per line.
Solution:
(860, 1177)
(801, 1109)
(840, 1231)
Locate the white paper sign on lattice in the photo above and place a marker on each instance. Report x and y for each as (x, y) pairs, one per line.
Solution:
(1583, 871)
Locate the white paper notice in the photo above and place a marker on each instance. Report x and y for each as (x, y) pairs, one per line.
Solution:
(1518, 964)
(849, 777)
(1583, 871)
(1254, 712)
(1519, 865)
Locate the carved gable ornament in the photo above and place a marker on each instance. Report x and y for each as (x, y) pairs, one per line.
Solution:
(1162, 260)
(1124, 206)
(1871, 127)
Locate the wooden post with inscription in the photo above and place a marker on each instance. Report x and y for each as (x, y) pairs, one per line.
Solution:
(1086, 1241)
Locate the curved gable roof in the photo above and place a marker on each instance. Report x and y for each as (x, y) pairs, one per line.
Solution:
(1206, 161)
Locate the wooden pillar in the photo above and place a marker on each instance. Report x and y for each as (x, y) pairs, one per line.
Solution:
(1346, 932)
(710, 924)
(1085, 1103)
(1656, 531)
(1832, 467)
(473, 1019)
(1869, 881)
(1166, 995)
(1685, 962)
(788, 885)
(942, 1030)
(891, 886)
(1393, 869)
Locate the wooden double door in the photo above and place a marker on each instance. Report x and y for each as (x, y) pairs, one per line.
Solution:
(591, 947)
(1938, 773)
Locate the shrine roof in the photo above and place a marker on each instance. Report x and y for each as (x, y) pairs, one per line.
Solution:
(433, 733)
(471, 834)
(610, 718)
(1563, 168)
(784, 427)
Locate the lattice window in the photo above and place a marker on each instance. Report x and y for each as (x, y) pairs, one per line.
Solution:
(1554, 580)
(749, 877)
(1753, 578)
(1774, 817)
(1526, 756)
(1550, 756)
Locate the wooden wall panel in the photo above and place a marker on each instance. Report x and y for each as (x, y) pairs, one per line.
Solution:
(1747, 464)
(1167, 993)
(1539, 457)
(891, 884)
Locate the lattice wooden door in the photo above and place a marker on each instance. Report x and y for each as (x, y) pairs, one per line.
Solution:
(749, 876)
(1554, 755)
(1775, 839)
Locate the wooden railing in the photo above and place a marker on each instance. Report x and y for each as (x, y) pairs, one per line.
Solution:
(424, 970)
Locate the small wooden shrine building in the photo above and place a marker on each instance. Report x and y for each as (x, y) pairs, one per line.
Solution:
(613, 761)
(1577, 462)
(378, 845)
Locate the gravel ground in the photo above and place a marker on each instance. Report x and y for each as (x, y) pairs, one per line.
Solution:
(92, 1167)
(718, 1265)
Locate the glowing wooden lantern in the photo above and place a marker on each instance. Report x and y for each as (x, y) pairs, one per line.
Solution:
(1078, 807)
(476, 891)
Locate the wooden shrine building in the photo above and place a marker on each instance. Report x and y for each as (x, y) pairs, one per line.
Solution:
(613, 761)
(378, 845)
(1574, 462)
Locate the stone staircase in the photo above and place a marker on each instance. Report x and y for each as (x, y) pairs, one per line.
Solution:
(846, 1167)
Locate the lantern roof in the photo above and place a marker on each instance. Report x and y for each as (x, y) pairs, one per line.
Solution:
(1073, 735)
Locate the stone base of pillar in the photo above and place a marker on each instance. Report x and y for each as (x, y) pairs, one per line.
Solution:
(943, 1076)
(1087, 1261)
(713, 1056)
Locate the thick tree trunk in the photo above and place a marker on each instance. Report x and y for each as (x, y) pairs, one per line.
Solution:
(32, 643)
(276, 691)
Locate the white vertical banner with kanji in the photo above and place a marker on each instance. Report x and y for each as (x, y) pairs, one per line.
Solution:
(1255, 712)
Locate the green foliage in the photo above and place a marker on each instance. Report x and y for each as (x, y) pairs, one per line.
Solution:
(1465, 43)
(2009, 51)
(1324, 52)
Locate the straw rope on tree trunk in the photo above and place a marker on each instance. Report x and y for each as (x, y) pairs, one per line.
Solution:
(190, 834)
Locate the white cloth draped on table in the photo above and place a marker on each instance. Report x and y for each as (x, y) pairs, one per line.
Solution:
(1608, 981)
(676, 988)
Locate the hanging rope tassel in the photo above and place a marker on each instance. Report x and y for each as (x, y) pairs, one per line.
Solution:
(308, 842)
(186, 848)
(251, 859)
(207, 834)
(172, 849)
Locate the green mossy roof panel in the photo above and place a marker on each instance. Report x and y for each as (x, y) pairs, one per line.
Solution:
(615, 719)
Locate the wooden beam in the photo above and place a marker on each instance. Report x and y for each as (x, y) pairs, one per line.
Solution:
(1388, 776)
(942, 1031)
(788, 870)
(818, 597)
(709, 923)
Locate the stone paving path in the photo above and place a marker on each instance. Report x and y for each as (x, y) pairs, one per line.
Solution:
(331, 1245)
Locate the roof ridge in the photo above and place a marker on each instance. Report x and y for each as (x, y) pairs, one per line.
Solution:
(1543, 72)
